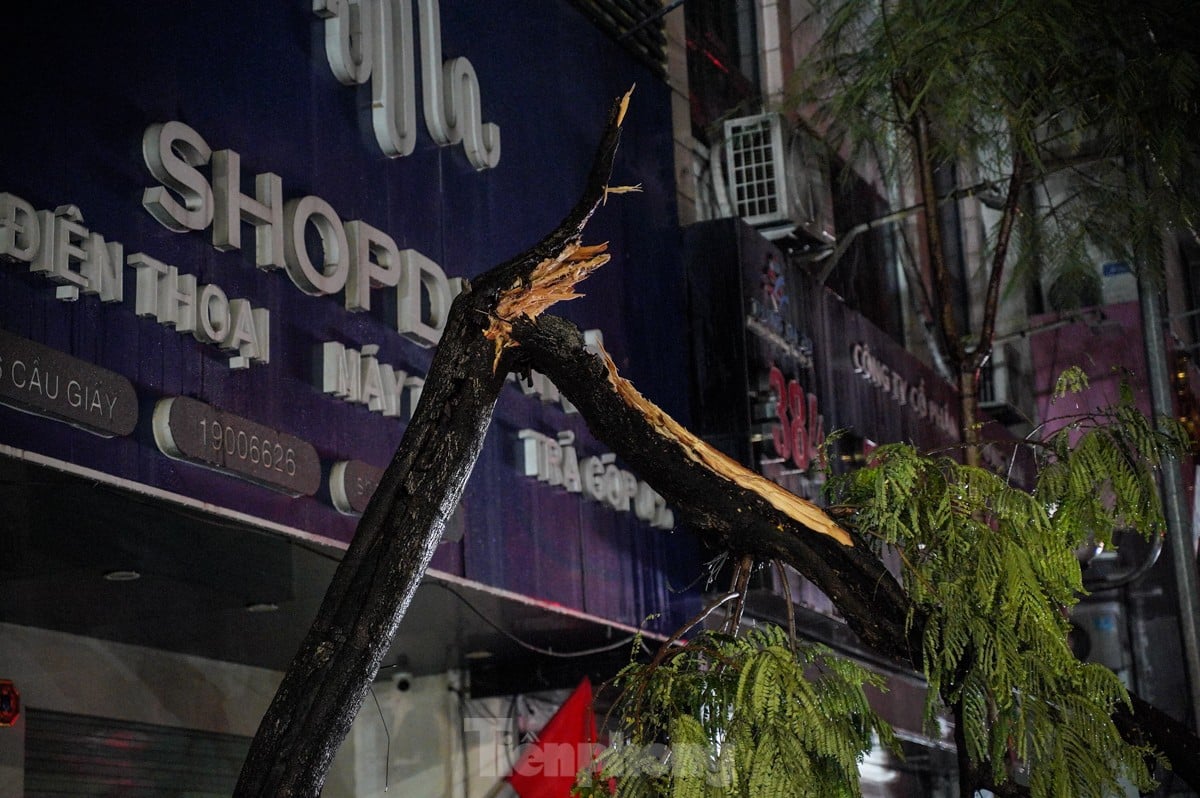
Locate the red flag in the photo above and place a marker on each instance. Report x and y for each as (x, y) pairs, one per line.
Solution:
(566, 745)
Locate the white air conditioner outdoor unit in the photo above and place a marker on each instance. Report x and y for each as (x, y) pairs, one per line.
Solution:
(999, 385)
(778, 178)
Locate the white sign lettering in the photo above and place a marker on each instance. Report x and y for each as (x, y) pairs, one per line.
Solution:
(373, 39)
(355, 257)
(893, 384)
(359, 378)
(556, 463)
(203, 311)
(56, 245)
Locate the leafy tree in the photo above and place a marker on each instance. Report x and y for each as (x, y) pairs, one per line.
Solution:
(741, 715)
(989, 571)
(991, 568)
(1073, 120)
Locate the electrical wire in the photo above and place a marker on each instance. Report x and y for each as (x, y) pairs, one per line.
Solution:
(387, 756)
(530, 646)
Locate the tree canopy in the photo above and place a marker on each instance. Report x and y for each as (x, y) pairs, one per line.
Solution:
(1072, 120)
(989, 573)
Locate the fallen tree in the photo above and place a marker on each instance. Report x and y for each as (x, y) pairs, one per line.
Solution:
(498, 325)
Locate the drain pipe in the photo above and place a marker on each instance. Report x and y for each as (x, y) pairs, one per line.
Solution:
(1183, 554)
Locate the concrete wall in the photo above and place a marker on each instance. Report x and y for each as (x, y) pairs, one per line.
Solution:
(427, 740)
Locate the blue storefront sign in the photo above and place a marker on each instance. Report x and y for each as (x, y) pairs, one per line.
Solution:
(240, 225)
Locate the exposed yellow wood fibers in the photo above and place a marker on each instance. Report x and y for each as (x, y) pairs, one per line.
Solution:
(791, 505)
(621, 190)
(625, 104)
(553, 280)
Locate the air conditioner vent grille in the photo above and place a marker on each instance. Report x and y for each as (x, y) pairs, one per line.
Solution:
(777, 178)
(754, 149)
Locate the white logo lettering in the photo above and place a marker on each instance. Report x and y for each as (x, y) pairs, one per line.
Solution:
(354, 256)
(374, 39)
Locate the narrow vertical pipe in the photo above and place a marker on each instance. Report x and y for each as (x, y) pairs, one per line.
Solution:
(1183, 557)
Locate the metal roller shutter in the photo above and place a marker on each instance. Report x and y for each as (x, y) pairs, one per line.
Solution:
(80, 755)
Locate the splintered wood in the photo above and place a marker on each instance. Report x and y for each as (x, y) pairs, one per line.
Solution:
(803, 512)
(552, 280)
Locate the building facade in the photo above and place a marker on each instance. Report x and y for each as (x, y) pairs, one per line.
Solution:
(848, 331)
(230, 234)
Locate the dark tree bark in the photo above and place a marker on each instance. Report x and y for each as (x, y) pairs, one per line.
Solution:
(495, 326)
(730, 515)
(373, 585)
(328, 678)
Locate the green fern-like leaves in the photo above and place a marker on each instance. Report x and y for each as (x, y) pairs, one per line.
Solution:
(992, 573)
(741, 716)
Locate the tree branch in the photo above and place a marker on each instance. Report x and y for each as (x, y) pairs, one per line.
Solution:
(731, 515)
(991, 304)
(942, 293)
(493, 325)
(736, 519)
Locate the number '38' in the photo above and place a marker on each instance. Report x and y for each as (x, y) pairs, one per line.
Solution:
(800, 433)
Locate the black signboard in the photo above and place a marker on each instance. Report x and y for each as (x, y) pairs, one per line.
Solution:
(44, 381)
(190, 430)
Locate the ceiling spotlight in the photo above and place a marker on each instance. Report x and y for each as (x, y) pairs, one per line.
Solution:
(122, 575)
(262, 606)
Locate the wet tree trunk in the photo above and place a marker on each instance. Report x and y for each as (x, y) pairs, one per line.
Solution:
(968, 409)
(373, 585)
(328, 678)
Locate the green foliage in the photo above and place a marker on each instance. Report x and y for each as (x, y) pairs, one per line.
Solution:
(1072, 380)
(1098, 99)
(741, 716)
(992, 573)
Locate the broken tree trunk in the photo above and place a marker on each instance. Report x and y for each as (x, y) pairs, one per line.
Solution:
(328, 678)
(497, 325)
